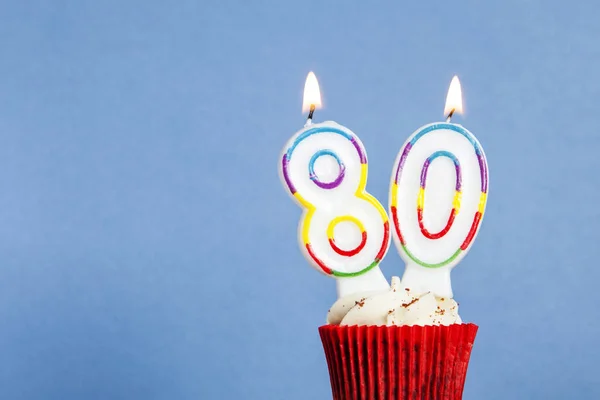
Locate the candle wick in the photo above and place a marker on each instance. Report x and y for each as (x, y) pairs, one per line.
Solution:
(310, 115)
(450, 114)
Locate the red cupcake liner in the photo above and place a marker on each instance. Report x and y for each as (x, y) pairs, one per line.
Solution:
(398, 362)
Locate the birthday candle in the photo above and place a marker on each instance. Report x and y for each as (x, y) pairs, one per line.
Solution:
(438, 196)
(344, 231)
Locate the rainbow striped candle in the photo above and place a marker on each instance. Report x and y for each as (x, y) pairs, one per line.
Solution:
(437, 200)
(344, 231)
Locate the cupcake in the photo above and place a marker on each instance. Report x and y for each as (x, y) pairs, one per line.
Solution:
(396, 344)
(404, 340)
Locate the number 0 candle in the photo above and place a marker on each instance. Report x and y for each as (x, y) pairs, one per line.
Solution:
(344, 231)
(437, 199)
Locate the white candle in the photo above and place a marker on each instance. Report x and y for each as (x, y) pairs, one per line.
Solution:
(437, 199)
(344, 231)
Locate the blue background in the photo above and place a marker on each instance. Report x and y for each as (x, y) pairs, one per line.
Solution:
(148, 250)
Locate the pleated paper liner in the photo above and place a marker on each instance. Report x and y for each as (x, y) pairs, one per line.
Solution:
(398, 362)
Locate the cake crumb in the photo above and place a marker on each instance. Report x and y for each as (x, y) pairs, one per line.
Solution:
(406, 305)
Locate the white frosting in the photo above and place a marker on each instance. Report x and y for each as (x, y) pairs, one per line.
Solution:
(397, 306)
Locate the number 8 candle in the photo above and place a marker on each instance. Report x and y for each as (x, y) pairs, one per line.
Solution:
(437, 199)
(344, 231)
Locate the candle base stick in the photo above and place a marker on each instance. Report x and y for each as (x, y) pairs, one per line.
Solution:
(421, 280)
(370, 281)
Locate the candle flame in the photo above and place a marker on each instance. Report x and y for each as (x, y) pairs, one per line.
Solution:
(454, 102)
(312, 93)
